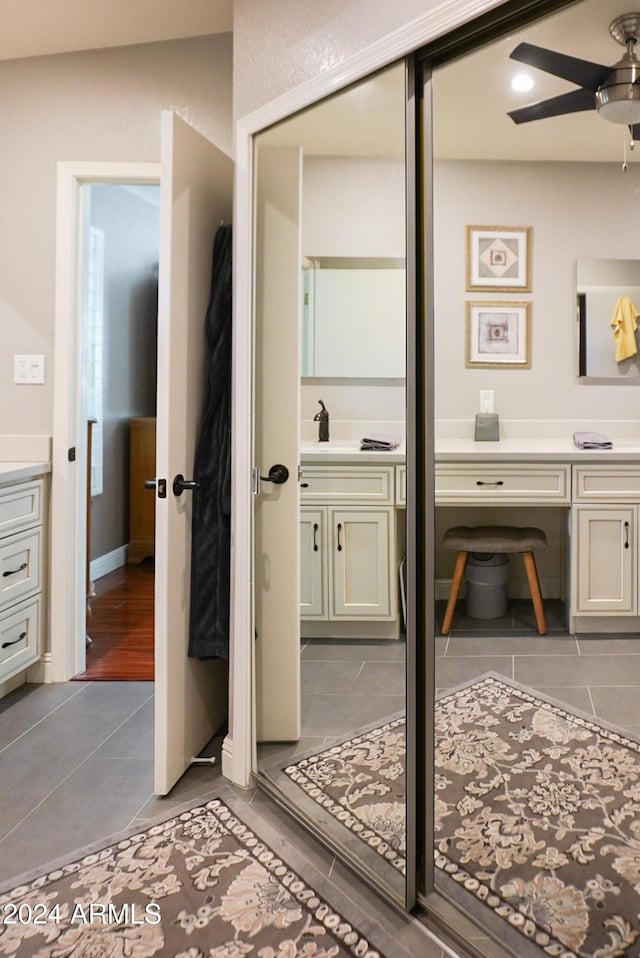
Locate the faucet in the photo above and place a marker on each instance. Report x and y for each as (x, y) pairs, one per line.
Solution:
(322, 417)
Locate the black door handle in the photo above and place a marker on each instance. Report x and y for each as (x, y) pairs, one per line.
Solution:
(150, 483)
(277, 475)
(180, 484)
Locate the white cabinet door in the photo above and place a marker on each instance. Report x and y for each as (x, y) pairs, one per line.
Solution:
(604, 551)
(313, 563)
(361, 564)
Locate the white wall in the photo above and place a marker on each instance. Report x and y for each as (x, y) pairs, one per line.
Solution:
(99, 105)
(353, 206)
(577, 211)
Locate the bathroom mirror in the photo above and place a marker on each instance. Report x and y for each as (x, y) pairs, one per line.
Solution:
(353, 317)
(600, 285)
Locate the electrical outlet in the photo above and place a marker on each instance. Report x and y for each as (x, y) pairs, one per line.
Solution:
(28, 369)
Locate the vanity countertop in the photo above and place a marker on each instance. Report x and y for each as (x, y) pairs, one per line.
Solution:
(17, 471)
(348, 451)
(533, 450)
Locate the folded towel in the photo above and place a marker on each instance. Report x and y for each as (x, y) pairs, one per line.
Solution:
(591, 440)
(380, 440)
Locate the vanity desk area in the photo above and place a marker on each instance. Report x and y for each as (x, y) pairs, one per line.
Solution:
(597, 525)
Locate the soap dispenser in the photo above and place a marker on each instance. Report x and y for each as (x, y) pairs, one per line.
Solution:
(322, 418)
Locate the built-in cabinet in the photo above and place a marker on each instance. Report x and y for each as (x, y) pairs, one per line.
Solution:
(22, 507)
(349, 551)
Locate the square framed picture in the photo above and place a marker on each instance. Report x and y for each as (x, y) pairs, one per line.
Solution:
(499, 334)
(499, 258)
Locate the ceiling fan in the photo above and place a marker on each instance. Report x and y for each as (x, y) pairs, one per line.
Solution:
(614, 91)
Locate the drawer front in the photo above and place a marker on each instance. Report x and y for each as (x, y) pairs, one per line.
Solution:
(19, 566)
(606, 483)
(19, 638)
(344, 484)
(401, 485)
(508, 483)
(20, 506)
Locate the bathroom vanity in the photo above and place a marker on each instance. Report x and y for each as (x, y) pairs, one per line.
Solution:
(351, 541)
(23, 510)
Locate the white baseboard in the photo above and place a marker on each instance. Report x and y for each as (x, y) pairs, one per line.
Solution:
(107, 563)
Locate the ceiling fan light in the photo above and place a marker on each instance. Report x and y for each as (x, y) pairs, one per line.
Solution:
(522, 83)
(621, 111)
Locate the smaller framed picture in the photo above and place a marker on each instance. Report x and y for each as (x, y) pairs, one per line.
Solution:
(499, 258)
(499, 334)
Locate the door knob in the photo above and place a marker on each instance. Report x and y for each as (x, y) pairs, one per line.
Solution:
(277, 475)
(180, 484)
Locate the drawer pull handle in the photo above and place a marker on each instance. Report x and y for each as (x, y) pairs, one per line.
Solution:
(626, 535)
(499, 482)
(304, 485)
(315, 533)
(23, 635)
(14, 571)
(339, 531)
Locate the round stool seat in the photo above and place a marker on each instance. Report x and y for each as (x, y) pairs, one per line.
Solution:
(494, 539)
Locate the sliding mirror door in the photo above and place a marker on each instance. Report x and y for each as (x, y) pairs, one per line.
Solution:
(534, 784)
(331, 569)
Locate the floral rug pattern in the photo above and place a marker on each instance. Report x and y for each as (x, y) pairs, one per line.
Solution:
(537, 820)
(361, 783)
(201, 885)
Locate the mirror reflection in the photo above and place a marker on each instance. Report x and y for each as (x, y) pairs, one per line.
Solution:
(331, 703)
(608, 303)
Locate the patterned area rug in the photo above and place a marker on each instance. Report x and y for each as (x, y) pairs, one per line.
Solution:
(200, 885)
(360, 782)
(538, 821)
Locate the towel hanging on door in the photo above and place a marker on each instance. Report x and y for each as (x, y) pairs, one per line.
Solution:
(211, 523)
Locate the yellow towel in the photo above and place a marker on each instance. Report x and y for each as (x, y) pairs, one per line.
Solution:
(625, 322)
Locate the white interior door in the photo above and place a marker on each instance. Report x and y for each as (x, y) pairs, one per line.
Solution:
(277, 427)
(195, 196)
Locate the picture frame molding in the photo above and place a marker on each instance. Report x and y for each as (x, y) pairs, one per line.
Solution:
(474, 283)
(523, 308)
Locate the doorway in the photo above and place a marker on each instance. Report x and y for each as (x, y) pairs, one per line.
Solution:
(118, 300)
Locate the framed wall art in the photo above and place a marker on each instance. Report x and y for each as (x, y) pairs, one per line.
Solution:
(499, 334)
(499, 258)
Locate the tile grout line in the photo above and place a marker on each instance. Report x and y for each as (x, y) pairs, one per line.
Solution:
(68, 776)
(44, 718)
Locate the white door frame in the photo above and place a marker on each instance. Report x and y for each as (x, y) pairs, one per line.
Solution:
(239, 747)
(68, 484)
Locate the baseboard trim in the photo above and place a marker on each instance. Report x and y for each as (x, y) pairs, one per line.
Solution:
(41, 671)
(108, 562)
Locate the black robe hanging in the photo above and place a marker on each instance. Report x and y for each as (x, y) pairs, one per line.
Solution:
(211, 527)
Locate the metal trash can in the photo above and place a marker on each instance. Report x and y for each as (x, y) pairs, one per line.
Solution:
(486, 574)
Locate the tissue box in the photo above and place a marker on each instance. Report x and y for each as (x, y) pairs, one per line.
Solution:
(487, 427)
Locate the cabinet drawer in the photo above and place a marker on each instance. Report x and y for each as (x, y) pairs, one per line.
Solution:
(19, 566)
(606, 482)
(20, 506)
(508, 483)
(19, 638)
(344, 484)
(401, 485)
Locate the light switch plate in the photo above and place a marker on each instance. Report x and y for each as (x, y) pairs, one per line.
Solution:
(28, 369)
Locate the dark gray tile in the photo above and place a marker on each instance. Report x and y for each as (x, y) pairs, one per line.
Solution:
(380, 678)
(574, 697)
(328, 675)
(554, 614)
(78, 814)
(586, 670)
(614, 644)
(134, 738)
(511, 645)
(455, 669)
(618, 705)
(20, 710)
(279, 753)
(442, 642)
(343, 714)
(355, 649)
(109, 697)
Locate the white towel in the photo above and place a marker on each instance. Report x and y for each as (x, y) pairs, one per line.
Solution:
(380, 440)
(591, 440)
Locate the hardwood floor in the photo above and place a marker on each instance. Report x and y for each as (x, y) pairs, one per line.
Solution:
(121, 626)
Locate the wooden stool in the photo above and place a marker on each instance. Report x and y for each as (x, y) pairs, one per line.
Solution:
(501, 539)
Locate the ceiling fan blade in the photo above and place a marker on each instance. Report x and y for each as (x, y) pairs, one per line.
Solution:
(577, 101)
(635, 131)
(582, 72)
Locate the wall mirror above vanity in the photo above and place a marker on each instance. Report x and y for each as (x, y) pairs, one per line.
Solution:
(601, 285)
